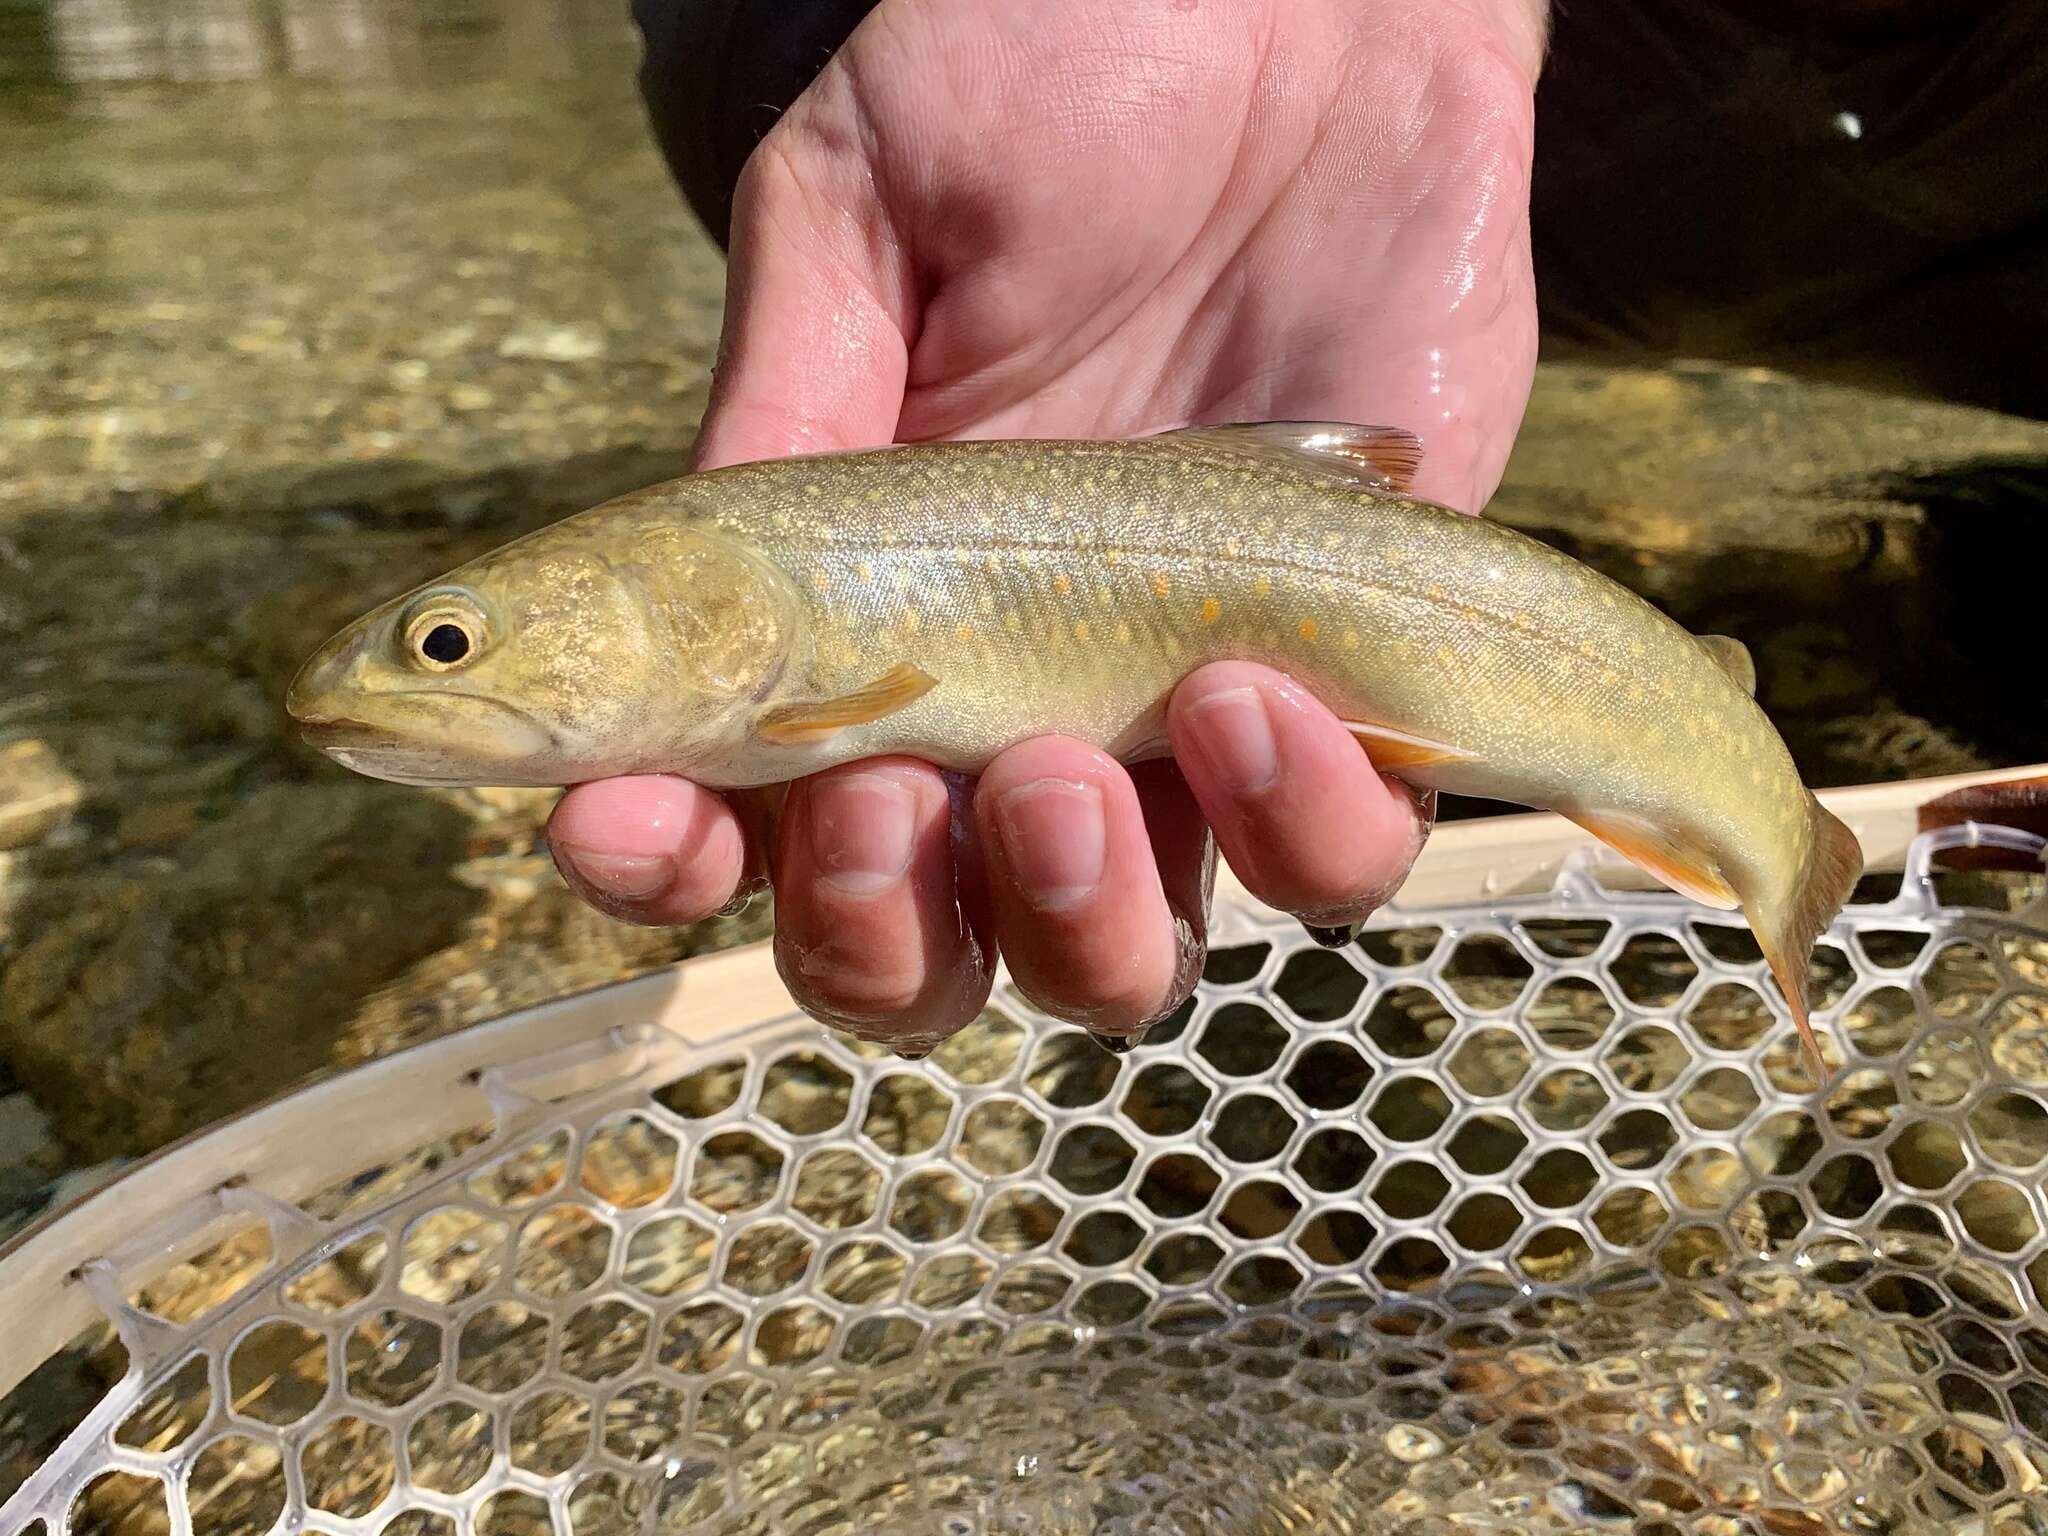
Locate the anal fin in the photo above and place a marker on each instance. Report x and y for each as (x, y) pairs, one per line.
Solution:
(797, 724)
(1390, 749)
(1686, 870)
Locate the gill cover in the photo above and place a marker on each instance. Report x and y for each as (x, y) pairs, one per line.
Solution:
(732, 617)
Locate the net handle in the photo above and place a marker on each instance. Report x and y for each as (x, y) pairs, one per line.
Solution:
(1521, 855)
(489, 1074)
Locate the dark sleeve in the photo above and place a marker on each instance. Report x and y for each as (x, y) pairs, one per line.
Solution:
(716, 74)
(1834, 189)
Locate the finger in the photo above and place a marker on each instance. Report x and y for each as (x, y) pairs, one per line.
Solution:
(813, 356)
(1305, 820)
(1185, 851)
(870, 931)
(1080, 911)
(649, 849)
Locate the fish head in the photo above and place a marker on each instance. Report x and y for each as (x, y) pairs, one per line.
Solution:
(554, 661)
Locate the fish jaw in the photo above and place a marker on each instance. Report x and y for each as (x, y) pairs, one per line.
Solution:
(414, 735)
(434, 738)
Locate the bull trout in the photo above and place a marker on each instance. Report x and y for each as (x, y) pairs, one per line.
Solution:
(751, 625)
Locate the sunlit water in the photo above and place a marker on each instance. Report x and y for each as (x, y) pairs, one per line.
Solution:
(1772, 1403)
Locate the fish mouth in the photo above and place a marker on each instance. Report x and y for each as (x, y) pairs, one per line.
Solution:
(331, 732)
(451, 739)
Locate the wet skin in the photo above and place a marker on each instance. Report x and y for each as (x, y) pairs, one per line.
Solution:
(1099, 225)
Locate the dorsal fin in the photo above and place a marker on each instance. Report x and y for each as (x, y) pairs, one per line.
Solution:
(1384, 458)
(1733, 657)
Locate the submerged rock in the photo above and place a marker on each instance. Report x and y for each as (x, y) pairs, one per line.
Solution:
(37, 793)
(148, 1006)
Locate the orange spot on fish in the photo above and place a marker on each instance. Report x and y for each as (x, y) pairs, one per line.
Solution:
(1308, 629)
(1160, 585)
(1080, 629)
(1211, 610)
(1061, 585)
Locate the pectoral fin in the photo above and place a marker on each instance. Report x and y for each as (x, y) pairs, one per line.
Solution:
(1391, 749)
(789, 725)
(1687, 871)
(1733, 657)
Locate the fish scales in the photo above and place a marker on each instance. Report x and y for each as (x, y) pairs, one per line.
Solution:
(1541, 634)
(948, 600)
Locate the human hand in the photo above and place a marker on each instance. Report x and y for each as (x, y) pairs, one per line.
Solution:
(1071, 220)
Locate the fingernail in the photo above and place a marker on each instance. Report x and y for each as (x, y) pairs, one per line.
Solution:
(910, 1052)
(861, 830)
(1118, 1045)
(1054, 839)
(624, 877)
(1330, 938)
(1234, 734)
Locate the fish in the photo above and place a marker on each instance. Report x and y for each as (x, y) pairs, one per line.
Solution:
(750, 625)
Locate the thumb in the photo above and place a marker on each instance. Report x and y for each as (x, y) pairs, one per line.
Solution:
(813, 357)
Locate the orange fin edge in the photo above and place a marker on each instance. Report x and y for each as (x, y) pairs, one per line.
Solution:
(1684, 870)
(1391, 750)
(797, 724)
(1834, 863)
(1393, 452)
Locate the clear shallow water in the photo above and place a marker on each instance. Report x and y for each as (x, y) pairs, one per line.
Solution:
(1766, 1404)
(1780, 1400)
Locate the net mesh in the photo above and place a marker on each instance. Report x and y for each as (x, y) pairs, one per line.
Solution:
(1523, 1216)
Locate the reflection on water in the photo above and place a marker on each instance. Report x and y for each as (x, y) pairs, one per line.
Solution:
(82, 43)
(308, 299)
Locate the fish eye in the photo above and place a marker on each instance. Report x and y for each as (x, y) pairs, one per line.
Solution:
(446, 644)
(445, 633)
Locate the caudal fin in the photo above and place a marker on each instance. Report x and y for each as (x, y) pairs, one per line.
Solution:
(1786, 927)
